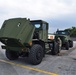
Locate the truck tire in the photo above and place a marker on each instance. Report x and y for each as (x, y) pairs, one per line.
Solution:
(55, 49)
(67, 46)
(36, 54)
(11, 55)
(71, 43)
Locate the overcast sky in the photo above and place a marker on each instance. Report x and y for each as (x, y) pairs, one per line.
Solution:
(58, 13)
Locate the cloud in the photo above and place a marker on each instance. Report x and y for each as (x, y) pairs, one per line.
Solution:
(37, 9)
(62, 22)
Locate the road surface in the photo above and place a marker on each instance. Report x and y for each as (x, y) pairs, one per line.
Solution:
(64, 64)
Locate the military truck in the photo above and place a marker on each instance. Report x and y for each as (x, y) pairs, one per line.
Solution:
(65, 38)
(22, 37)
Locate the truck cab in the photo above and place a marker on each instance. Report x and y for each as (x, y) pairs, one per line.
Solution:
(41, 30)
(65, 38)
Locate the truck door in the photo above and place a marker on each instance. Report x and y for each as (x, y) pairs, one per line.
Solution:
(45, 31)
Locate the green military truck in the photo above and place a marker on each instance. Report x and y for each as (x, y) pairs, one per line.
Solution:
(65, 38)
(22, 37)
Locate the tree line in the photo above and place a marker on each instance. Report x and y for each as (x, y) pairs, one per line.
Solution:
(72, 31)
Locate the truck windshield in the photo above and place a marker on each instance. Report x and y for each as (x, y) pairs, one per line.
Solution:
(62, 32)
(37, 25)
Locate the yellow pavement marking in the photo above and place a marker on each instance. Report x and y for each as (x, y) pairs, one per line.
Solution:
(29, 68)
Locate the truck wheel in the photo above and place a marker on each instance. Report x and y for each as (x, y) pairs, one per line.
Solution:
(67, 45)
(71, 43)
(11, 55)
(36, 54)
(55, 50)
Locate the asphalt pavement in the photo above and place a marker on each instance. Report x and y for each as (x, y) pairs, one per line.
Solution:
(63, 64)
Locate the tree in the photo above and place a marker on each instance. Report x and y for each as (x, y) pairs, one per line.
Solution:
(72, 31)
